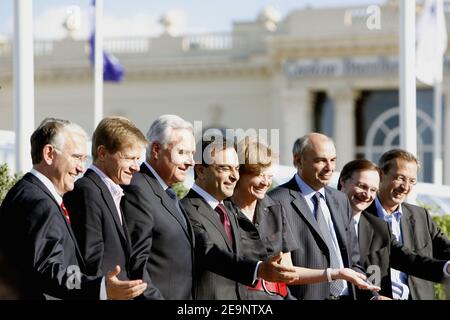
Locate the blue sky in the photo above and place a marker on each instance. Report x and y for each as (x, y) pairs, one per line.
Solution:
(140, 17)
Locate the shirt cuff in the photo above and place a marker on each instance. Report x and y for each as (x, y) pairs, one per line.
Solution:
(103, 295)
(446, 274)
(255, 274)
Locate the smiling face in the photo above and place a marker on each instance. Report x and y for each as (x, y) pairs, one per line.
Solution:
(397, 183)
(119, 166)
(219, 178)
(68, 162)
(255, 186)
(361, 189)
(173, 162)
(318, 162)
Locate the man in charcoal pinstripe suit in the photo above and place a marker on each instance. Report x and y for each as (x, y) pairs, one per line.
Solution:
(319, 217)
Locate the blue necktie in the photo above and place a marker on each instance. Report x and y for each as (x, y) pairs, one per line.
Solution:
(174, 197)
(336, 286)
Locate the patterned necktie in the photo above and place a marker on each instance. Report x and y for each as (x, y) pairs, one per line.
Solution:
(174, 197)
(66, 213)
(336, 286)
(220, 209)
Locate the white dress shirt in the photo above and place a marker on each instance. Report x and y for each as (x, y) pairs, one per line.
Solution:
(114, 189)
(400, 289)
(160, 180)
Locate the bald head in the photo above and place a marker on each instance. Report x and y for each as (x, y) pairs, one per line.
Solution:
(315, 158)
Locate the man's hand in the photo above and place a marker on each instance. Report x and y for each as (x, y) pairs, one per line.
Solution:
(122, 290)
(381, 298)
(358, 279)
(271, 270)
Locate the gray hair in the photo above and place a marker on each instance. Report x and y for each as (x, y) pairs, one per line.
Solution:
(162, 128)
(300, 145)
(388, 158)
(51, 131)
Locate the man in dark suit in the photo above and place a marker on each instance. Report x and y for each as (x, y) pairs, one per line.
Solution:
(378, 248)
(161, 234)
(411, 225)
(319, 217)
(94, 203)
(215, 180)
(36, 238)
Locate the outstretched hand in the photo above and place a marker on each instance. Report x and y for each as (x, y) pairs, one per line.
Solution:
(358, 279)
(271, 270)
(122, 290)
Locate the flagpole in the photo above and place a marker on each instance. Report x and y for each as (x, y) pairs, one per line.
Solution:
(437, 165)
(407, 91)
(23, 83)
(98, 63)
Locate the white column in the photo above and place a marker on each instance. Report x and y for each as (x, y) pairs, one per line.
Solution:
(446, 138)
(344, 124)
(292, 114)
(407, 76)
(23, 82)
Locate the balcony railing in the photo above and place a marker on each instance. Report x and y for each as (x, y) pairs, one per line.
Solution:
(164, 45)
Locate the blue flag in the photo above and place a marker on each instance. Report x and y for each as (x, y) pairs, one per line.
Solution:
(112, 69)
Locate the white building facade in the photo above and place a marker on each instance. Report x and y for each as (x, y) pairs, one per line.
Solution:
(321, 70)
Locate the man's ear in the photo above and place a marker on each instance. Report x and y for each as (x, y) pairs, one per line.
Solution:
(297, 161)
(101, 153)
(155, 149)
(199, 171)
(48, 154)
(341, 182)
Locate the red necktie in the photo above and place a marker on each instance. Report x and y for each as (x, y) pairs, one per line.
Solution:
(220, 209)
(66, 213)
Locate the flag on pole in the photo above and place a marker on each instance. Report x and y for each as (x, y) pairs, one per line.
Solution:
(431, 42)
(112, 69)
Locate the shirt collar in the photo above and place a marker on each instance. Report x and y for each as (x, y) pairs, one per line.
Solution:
(114, 188)
(213, 202)
(356, 218)
(306, 190)
(48, 184)
(160, 180)
(397, 214)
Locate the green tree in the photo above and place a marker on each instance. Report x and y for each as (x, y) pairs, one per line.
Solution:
(180, 190)
(6, 180)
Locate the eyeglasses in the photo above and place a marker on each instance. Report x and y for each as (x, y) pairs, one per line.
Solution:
(364, 187)
(80, 158)
(401, 179)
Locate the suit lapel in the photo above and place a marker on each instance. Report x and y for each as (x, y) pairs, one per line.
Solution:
(365, 233)
(165, 200)
(206, 211)
(234, 224)
(333, 206)
(407, 224)
(31, 178)
(299, 202)
(108, 199)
